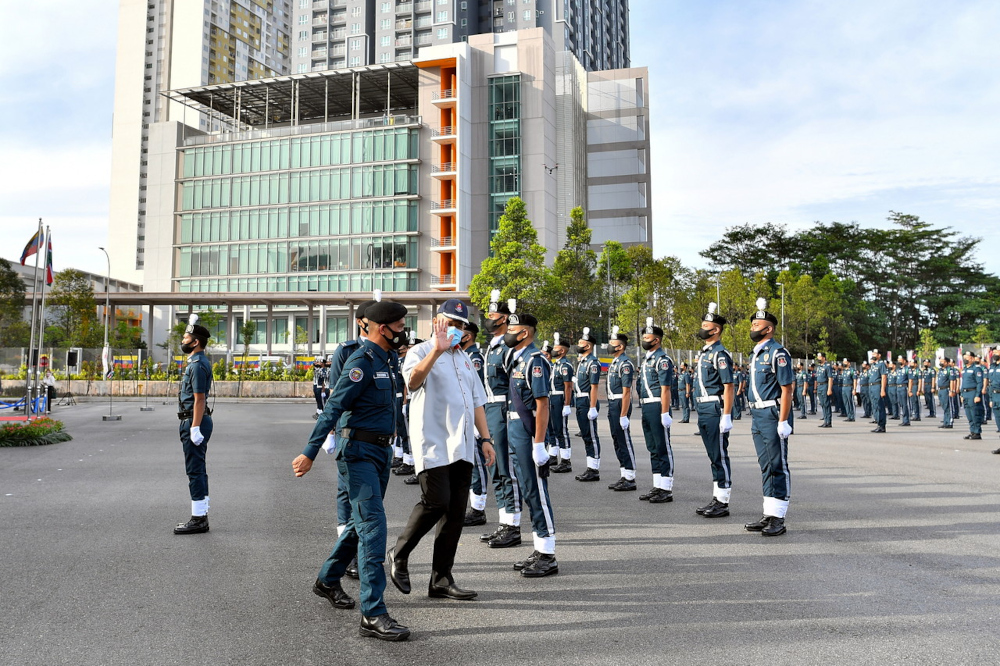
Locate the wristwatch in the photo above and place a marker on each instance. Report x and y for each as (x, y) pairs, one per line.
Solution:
(487, 439)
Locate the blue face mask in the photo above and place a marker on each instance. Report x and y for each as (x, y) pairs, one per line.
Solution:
(455, 335)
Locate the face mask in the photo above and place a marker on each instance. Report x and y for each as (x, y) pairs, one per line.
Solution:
(396, 341)
(187, 348)
(704, 333)
(616, 350)
(364, 328)
(454, 335)
(491, 325)
(647, 344)
(510, 339)
(757, 336)
(580, 349)
(557, 353)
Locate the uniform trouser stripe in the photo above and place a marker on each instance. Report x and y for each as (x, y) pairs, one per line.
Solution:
(536, 489)
(505, 481)
(716, 443)
(661, 455)
(772, 453)
(565, 425)
(620, 437)
(587, 429)
(479, 475)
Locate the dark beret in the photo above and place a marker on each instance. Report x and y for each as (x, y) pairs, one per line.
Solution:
(385, 312)
(359, 312)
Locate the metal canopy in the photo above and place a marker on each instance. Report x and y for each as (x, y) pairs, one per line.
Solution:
(307, 98)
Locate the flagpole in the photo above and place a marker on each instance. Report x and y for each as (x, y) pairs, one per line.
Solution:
(41, 310)
(31, 346)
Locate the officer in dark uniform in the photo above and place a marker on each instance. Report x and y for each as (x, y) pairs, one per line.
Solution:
(653, 388)
(476, 514)
(771, 382)
(740, 383)
(973, 385)
(365, 393)
(675, 402)
(800, 389)
(811, 388)
(903, 390)
(945, 389)
(321, 380)
(847, 379)
(196, 423)
(561, 404)
(879, 387)
(993, 378)
(506, 487)
(405, 468)
(893, 390)
(913, 389)
(529, 419)
(714, 400)
(864, 390)
(928, 385)
(824, 387)
(684, 388)
(588, 375)
(621, 375)
(836, 398)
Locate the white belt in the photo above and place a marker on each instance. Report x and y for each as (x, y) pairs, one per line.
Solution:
(498, 398)
(648, 401)
(514, 416)
(764, 404)
(399, 395)
(708, 398)
(615, 396)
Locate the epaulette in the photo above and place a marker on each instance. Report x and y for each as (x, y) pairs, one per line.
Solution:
(370, 354)
(350, 343)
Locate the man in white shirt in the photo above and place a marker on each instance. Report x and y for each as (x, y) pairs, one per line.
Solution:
(446, 411)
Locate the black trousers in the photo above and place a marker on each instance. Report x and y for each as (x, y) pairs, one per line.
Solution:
(444, 492)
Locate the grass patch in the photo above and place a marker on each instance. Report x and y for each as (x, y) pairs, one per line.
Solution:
(36, 433)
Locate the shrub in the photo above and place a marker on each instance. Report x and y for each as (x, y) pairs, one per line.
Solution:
(33, 433)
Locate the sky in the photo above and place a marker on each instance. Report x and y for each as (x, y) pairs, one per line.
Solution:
(789, 112)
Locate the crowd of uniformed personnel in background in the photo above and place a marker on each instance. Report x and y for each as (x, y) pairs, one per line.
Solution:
(362, 403)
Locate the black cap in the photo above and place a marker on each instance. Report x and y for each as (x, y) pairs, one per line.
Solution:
(588, 336)
(654, 330)
(500, 308)
(620, 337)
(359, 312)
(715, 318)
(473, 328)
(522, 319)
(385, 312)
(198, 331)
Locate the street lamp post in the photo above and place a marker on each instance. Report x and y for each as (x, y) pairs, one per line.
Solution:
(782, 285)
(106, 353)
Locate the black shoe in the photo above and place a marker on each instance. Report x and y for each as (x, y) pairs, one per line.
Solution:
(879, 429)
(315, 416)
(916, 419)
(904, 425)
(544, 565)
(969, 436)
(996, 452)
(334, 593)
(383, 628)
(624, 485)
(686, 421)
(974, 436)
(662, 496)
(774, 528)
(475, 517)
(399, 572)
(589, 475)
(645, 496)
(450, 591)
(947, 427)
(352, 569)
(396, 462)
(711, 505)
(528, 561)
(894, 418)
(411, 480)
(197, 525)
(489, 536)
(564, 466)
(720, 510)
(849, 421)
(403, 470)
(553, 461)
(759, 525)
(510, 537)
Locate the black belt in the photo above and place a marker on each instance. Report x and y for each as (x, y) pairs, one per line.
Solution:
(189, 414)
(367, 437)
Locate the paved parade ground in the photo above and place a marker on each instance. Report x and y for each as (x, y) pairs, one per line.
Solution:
(892, 555)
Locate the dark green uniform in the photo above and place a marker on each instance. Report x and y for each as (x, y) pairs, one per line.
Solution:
(197, 379)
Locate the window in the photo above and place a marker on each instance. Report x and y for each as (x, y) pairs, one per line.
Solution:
(356, 11)
(303, 51)
(385, 40)
(442, 16)
(303, 35)
(386, 7)
(442, 3)
(355, 28)
(442, 33)
(385, 24)
(303, 4)
(510, 16)
(355, 44)
(304, 19)
(527, 14)
(465, 22)
(464, 5)
(355, 61)
(384, 57)
(303, 67)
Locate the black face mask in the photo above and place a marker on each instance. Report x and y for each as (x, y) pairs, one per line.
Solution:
(398, 339)
(511, 339)
(579, 349)
(187, 348)
(704, 333)
(757, 336)
(647, 344)
(491, 325)
(616, 350)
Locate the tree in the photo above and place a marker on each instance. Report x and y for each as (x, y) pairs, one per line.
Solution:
(73, 311)
(12, 325)
(516, 265)
(749, 248)
(123, 336)
(580, 295)
(928, 344)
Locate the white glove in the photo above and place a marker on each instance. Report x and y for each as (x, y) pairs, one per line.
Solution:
(665, 419)
(784, 430)
(567, 410)
(592, 414)
(624, 422)
(196, 437)
(330, 445)
(406, 410)
(539, 454)
(323, 394)
(726, 424)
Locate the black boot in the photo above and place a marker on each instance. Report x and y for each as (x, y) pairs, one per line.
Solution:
(334, 593)
(197, 525)
(508, 538)
(475, 517)
(774, 528)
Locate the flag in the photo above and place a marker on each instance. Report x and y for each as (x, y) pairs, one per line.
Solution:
(31, 248)
(48, 262)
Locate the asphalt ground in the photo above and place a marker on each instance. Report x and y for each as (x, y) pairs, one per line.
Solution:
(891, 555)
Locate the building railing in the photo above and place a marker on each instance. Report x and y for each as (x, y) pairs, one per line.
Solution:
(442, 279)
(319, 20)
(446, 241)
(404, 57)
(424, 6)
(404, 41)
(314, 128)
(405, 8)
(446, 167)
(443, 94)
(443, 131)
(404, 24)
(442, 205)
(319, 37)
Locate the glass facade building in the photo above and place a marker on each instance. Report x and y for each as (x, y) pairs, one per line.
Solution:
(504, 144)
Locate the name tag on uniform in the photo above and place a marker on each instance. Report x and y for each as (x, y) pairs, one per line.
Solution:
(381, 375)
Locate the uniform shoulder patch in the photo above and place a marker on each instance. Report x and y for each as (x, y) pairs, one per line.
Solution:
(594, 367)
(536, 371)
(356, 374)
(782, 361)
(722, 362)
(664, 364)
(478, 364)
(627, 369)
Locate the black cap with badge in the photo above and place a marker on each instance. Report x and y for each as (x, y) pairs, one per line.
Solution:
(385, 312)
(588, 336)
(652, 330)
(197, 330)
(455, 309)
(762, 313)
(496, 305)
(713, 316)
